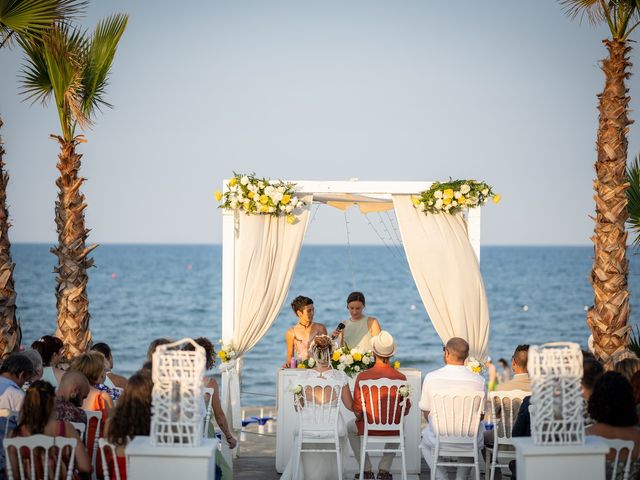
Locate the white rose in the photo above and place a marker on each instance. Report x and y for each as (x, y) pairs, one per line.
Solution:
(473, 200)
(282, 208)
(439, 203)
(311, 362)
(276, 196)
(233, 204)
(299, 204)
(297, 390)
(252, 188)
(437, 194)
(294, 200)
(289, 208)
(281, 189)
(365, 360)
(356, 368)
(431, 203)
(465, 189)
(485, 191)
(260, 185)
(447, 207)
(341, 367)
(421, 207)
(457, 194)
(348, 359)
(272, 209)
(342, 358)
(244, 180)
(454, 204)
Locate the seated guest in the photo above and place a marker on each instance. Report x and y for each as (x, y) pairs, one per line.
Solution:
(16, 369)
(113, 379)
(613, 409)
(627, 367)
(38, 417)
(520, 380)
(210, 382)
(36, 360)
(92, 366)
(610, 364)
(155, 344)
(51, 350)
(131, 417)
(383, 347)
(73, 389)
(591, 371)
(454, 375)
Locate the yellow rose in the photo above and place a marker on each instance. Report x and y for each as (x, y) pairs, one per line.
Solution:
(336, 356)
(497, 198)
(222, 355)
(415, 200)
(396, 364)
(233, 181)
(285, 199)
(291, 219)
(218, 195)
(246, 205)
(446, 201)
(264, 199)
(462, 200)
(264, 208)
(301, 365)
(448, 193)
(251, 195)
(357, 356)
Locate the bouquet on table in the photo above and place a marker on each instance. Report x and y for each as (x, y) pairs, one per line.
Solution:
(351, 360)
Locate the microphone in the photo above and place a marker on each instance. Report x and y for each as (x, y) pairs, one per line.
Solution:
(339, 328)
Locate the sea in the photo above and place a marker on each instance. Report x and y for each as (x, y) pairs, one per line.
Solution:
(141, 292)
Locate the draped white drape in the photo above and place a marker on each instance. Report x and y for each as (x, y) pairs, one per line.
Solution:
(446, 272)
(266, 252)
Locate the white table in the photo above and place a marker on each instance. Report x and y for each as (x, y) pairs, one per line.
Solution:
(168, 462)
(288, 423)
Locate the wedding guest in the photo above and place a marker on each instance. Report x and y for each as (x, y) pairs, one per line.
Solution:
(38, 417)
(591, 371)
(627, 367)
(51, 350)
(113, 380)
(453, 376)
(210, 382)
(15, 370)
(359, 328)
(612, 407)
(610, 363)
(383, 347)
(520, 380)
(155, 344)
(131, 417)
(71, 393)
(92, 366)
(36, 360)
(505, 375)
(301, 334)
(492, 382)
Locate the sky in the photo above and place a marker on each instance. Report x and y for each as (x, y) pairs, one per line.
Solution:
(501, 91)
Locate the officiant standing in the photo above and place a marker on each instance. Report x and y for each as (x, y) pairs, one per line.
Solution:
(359, 328)
(299, 337)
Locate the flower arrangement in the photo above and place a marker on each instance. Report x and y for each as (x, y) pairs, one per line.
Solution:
(453, 196)
(227, 352)
(474, 365)
(404, 391)
(351, 360)
(308, 363)
(260, 196)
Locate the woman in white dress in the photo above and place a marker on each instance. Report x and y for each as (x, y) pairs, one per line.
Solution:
(318, 465)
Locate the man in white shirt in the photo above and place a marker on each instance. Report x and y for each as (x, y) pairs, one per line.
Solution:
(454, 376)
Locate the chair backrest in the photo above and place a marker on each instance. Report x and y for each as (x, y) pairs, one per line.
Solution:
(81, 428)
(92, 436)
(456, 415)
(618, 446)
(109, 460)
(10, 420)
(41, 455)
(382, 405)
(318, 404)
(207, 415)
(504, 411)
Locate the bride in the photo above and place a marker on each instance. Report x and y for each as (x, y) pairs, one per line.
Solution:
(318, 465)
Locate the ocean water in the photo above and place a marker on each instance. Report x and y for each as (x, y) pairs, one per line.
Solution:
(141, 292)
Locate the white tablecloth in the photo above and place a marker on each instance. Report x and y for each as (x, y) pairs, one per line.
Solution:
(288, 423)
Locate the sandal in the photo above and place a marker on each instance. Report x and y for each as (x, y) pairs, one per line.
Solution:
(367, 475)
(384, 475)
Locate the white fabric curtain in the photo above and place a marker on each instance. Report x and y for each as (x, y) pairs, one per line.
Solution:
(446, 272)
(266, 252)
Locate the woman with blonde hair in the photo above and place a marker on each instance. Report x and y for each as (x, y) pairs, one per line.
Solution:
(92, 365)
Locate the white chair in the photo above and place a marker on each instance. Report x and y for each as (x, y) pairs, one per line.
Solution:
(456, 420)
(108, 451)
(10, 416)
(504, 407)
(42, 449)
(618, 446)
(92, 443)
(382, 396)
(207, 415)
(318, 409)
(81, 428)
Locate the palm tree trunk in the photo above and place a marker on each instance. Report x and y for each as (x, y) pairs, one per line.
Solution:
(609, 315)
(10, 331)
(73, 260)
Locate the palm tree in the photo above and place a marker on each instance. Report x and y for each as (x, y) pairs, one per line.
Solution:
(633, 196)
(27, 19)
(74, 69)
(609, 315)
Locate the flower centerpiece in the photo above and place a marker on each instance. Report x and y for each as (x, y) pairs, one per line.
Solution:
(308, 363)
(453, 196)
(227, 352)
(261, 196)
(351, 360)
(404, 391)
(475, 365)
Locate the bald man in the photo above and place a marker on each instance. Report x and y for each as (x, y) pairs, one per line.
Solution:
(453, 377)
(73, 389)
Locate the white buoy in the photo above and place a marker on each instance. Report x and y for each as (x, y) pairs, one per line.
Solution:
(260, 424)
(525, 308)
(270, 422)
(586, 308)
(412, 307)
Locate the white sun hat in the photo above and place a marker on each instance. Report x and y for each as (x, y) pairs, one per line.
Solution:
(383, 344)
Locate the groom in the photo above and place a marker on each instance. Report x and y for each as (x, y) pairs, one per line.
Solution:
(384, 347)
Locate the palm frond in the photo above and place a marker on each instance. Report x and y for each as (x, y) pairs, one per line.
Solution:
(36, 84)
(633, 197)
(634, 341)
(590, 9)
(101, 51)
(32, 18)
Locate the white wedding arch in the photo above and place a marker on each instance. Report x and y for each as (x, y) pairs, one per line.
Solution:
(259, 254)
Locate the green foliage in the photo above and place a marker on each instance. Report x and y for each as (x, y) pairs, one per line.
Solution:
(634, 341)
(633, 197)
(622, 16)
